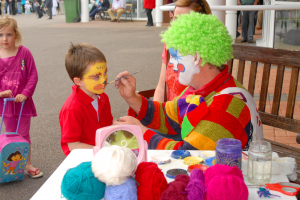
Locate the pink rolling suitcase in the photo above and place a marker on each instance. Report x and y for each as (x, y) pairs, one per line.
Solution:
(14, 151)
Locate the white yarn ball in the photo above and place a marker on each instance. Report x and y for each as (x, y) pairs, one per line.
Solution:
(113, 165)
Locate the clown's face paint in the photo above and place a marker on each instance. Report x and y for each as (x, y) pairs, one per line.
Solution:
(185, 65)
(95, 79)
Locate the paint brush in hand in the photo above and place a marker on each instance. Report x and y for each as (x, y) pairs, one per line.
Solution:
(126, 76)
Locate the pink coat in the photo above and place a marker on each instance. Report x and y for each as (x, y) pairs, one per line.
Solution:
(20, 77)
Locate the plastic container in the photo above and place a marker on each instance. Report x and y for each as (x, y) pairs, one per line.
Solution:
(229, 152)
(72, 10)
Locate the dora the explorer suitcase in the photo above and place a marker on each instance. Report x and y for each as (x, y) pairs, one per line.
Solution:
(14, 151)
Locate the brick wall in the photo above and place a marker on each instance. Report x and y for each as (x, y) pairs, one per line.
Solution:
(166, 18)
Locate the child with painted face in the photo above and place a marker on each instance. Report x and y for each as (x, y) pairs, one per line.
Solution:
(87, 108)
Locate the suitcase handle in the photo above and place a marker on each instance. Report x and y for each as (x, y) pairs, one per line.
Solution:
(5, 100)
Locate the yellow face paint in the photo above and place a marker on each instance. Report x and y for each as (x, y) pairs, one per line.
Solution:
(96, 78)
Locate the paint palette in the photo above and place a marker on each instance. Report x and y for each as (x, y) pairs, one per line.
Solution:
(207, 154)
(201, 167)
(192, 160)
(172, 173)
(180, 154)
(210, 161)
(161, 159)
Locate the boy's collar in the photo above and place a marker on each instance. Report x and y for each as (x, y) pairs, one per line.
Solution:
(82, 96)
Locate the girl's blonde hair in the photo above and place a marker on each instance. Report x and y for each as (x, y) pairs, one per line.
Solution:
(9, 21)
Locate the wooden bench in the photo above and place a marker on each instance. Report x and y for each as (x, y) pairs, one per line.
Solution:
(280, 60)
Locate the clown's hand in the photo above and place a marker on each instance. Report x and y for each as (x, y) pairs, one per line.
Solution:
(130, 121)
(126, 85)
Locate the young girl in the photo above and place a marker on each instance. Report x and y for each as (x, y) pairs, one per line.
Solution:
(18, 77)
(27, 8)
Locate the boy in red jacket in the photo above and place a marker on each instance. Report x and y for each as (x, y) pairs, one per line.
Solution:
(87, 108)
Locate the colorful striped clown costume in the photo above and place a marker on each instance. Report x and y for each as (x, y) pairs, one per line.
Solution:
(222, 108)
(202, 116)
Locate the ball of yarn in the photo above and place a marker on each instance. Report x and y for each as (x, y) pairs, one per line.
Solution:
(113, 165)
(125, 191)
(226, 187)
(151, 181)
(79, 183)
(196, 187)
(176, 189)
(218, 169)
(228, 180)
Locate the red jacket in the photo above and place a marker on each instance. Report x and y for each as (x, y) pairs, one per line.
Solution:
(149, 4)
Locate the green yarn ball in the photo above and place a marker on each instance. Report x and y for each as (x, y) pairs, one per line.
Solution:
(201, 33)
(79, 183)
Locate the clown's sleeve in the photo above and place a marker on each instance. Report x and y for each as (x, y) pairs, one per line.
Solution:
(159, 116)
(225, 116)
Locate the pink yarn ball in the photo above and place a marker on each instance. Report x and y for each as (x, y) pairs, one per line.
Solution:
(225, 183)
(216, 170)
(226, 187)
(196, 188)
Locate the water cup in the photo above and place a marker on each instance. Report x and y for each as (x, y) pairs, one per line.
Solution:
(259, 163)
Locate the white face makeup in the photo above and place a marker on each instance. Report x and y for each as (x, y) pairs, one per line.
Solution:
(187, 66)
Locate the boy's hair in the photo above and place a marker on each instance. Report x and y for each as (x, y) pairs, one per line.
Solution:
(195, 5)
(200, 33)
(13, 154)
(79, 57)
(9, 21)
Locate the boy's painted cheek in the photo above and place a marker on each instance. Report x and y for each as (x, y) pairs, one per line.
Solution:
(96, 79)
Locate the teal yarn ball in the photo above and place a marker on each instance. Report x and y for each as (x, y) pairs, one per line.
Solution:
(125, 191)
(79, 183)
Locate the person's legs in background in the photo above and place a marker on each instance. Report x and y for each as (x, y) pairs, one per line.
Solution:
(2, 7)
(19, 5)
(259, 20)
(149, 16)
(119, 12)
(23, 6)
(251, 26)
(13, 7)
(50, 13)
(245, 22)
(92, 14)
(111, 15)
(237, 24)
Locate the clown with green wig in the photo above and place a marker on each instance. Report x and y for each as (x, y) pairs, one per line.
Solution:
(212, 107)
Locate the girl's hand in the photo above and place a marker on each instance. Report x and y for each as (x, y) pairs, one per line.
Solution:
(20, 98)
(6, 93)
(130, 121)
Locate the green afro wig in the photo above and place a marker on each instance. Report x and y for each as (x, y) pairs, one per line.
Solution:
(200, 33)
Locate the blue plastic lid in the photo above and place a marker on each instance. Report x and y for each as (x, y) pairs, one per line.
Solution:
(172, 173)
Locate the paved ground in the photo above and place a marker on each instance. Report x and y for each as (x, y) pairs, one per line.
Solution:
(127, 46)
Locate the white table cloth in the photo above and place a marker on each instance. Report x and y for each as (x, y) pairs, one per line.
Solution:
(51, 188)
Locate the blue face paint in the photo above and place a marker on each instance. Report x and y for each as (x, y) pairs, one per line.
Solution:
(174, 56)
